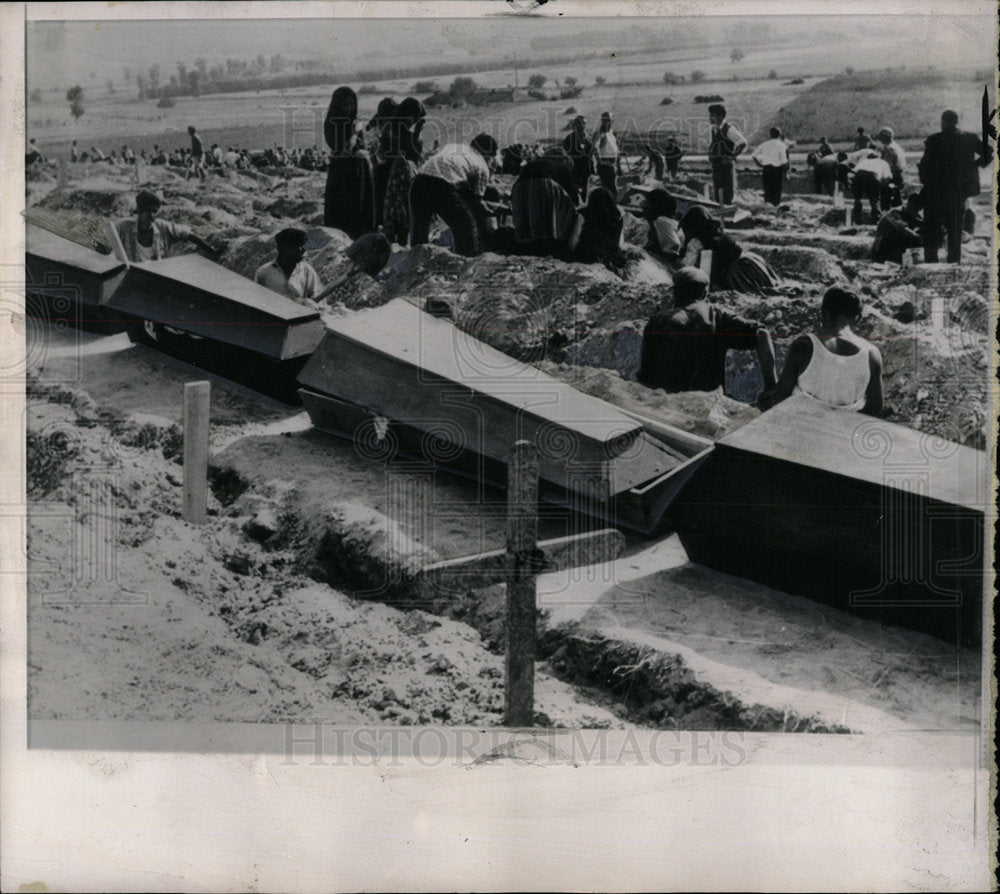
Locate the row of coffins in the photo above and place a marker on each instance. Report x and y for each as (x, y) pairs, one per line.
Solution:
(845, 509)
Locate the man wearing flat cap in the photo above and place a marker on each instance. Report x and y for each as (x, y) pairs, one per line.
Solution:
(289, 273)
(147, 238)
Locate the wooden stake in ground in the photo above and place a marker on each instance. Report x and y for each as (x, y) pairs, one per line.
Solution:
(196, 413)
(522, 537)
(838, 198)
(847, 216)
(705, 263)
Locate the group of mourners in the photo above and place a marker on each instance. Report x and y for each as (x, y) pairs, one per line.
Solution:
(875, 172)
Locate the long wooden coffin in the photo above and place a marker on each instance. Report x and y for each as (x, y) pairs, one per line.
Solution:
(197, 297)
(442, 396)
(853, 511)
(66, 281)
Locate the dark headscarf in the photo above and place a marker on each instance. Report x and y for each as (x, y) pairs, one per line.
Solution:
(338, 129)
(698, 224)
(386, 109)
(659, 203)
(410, 110)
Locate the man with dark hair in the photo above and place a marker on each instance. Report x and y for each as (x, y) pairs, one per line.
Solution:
(725, 147)
(451, 184)
(289, 274)
(824, 149)
(835, 366)
(949, 174)
(862, 140)
(581, 151)
(771, 157)
(684, 347)
(898, 230)
(672, 154)
(197, 156)
(145, 238)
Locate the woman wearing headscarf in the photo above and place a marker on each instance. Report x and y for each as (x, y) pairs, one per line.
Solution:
(400, 145)
(601, 236)
(665, 241)
(732, 267)
(543, 206)
(347, 203)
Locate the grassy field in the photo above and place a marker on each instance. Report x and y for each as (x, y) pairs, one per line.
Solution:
(910, 102)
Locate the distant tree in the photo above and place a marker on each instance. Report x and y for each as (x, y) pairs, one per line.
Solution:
(772, 75)
(127, 73)
(849, 70)
(736, 55)
(173, 80)
(569, 81)
(697, 76)
(425, 87)
(277, 63)
(35, 95)
(463, 86)
(194, 82)
(154, 76)
(75, 97)
(182, 73)
(537, 81)
(140, 82)
(111, 89)
(599, 80)
(167, 102)
(367, 89)
(670, 78)
(202, 66)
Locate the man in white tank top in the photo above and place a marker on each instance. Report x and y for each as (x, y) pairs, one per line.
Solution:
(835, 366)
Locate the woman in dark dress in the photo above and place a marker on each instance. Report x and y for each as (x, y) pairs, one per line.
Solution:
(601, 236)
(400, 145)
(347, 203)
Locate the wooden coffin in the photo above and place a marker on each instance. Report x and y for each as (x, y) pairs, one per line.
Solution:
(66, 281)
(221, 322)
(444, 397)
(856, 512)
(197, 297)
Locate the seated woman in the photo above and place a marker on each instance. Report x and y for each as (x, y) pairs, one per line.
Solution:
(660, 209)
(601, 235)
(732, 266)
(543, 206)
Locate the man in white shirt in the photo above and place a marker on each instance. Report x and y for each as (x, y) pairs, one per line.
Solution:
(895, 156)
(772, 158)
(146, 238)
(869, 177)
(606, 150)
(451, 184)
(289, 274)
(726, 145)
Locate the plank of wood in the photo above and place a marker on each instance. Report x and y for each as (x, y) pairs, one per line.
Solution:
(459, 575)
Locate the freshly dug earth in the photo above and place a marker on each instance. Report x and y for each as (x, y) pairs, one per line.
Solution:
(259, 615)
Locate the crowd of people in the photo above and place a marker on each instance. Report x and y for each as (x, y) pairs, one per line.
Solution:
(383, 187)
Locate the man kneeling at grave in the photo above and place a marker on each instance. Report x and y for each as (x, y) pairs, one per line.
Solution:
(835, 365)
(684, 346)
(289, 274)
(146, 238)
(899, 230)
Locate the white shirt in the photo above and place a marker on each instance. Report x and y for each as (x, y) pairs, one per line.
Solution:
(303, 283)
(877, 166)
(459, 165)
(772, 153)
(607, 144)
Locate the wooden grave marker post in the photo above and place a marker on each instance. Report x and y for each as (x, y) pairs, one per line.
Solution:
(522, 542)
(705, 262)
(196, 415)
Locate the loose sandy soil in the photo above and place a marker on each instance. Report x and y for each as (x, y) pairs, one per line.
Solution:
(258, 615)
